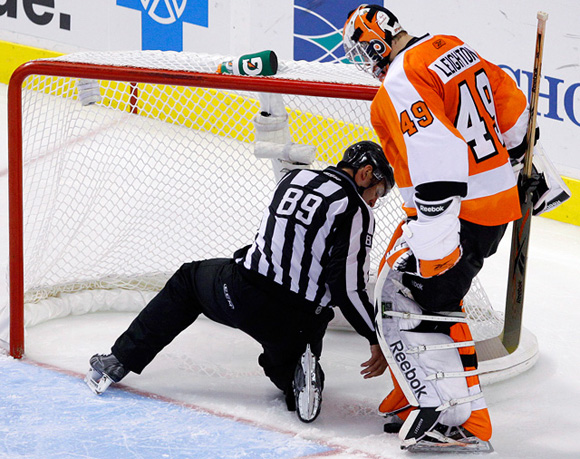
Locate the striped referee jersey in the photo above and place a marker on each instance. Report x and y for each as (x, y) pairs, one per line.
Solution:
(315, 240)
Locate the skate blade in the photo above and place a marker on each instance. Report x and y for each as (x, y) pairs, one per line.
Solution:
(97, 383)
(309, 398)
(459, 447)
(308, 406)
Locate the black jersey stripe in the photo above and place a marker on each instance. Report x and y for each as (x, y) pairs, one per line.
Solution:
(305, 242)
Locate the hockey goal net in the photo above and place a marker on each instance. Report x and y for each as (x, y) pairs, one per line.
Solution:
(125, 165)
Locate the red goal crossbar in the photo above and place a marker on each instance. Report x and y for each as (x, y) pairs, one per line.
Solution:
(127, 74)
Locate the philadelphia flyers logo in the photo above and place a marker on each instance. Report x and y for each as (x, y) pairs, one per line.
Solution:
(378, 46)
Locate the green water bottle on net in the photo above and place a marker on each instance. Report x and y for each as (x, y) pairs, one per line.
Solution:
(262, 63)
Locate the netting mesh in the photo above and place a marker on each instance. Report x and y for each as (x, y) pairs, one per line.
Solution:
(119, 193)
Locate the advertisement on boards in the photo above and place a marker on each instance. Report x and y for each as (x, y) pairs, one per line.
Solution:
(162, 22)
(503, 32)
(318, 29)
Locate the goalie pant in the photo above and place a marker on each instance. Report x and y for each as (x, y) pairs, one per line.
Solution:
(227, 293)
(441, 294)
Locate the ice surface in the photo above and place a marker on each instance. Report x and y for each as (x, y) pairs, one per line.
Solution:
(205, 395)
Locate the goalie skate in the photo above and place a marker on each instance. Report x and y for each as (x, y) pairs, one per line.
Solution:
(307, 385)
(105, 370)
(445, 439)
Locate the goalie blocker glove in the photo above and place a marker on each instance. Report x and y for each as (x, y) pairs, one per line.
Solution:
(428, 246)
(547, 188)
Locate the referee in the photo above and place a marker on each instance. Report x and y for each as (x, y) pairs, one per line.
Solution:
(310, 254)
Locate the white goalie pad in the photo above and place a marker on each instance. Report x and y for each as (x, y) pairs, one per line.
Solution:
(427, 366)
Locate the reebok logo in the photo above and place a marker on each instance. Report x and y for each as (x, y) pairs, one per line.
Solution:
(432, 211)
(228, 298)
(418, 426)
(408, 370)
(417, 285)
(520, 292)
(441, 266)
(437, 44)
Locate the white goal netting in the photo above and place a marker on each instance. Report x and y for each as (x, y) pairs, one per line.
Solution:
(119, 193)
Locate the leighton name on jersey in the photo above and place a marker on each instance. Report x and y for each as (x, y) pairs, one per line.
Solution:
(454, 62)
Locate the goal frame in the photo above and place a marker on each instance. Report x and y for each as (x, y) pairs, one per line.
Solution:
(133, 75)
(495, 362)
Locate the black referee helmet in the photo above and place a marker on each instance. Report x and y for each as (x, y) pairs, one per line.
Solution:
(366, 152)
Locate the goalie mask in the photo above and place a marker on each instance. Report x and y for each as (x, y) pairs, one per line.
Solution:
(366, 152)
(368, 36)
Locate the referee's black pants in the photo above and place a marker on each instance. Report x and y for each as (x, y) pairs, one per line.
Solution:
(218, 289)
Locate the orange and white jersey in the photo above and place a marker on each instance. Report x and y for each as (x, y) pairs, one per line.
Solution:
(446, 117)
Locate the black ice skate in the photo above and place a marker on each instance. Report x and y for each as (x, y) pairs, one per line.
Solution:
(393, 423)
(448, 439)
(308, 384)
(105, 370)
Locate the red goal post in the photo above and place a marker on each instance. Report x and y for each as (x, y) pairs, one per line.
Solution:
(111, 197)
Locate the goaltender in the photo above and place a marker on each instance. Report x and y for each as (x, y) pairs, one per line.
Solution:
(453, 126)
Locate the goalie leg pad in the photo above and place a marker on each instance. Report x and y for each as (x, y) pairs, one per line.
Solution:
(479, 422)
(427, 366)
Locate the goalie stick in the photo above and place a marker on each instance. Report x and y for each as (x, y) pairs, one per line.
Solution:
(521, 228)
